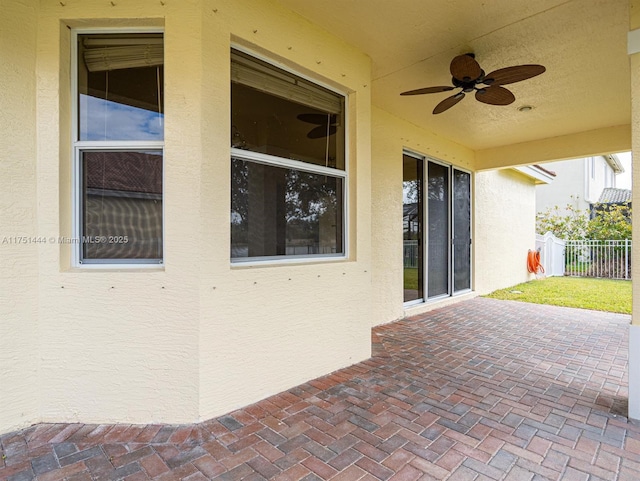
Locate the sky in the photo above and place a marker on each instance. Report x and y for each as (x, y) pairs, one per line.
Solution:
(107, 120)
(623, 181)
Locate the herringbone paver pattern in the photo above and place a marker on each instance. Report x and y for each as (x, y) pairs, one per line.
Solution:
(479, 391)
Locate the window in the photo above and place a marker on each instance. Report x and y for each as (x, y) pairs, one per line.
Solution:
(437, 229)
(413, 227)
(288, 168)
(119, 139)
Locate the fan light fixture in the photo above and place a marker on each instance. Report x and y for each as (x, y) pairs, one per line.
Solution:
(468, 76)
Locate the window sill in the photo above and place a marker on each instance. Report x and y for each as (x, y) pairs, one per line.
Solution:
(118, 268)
(265, 262)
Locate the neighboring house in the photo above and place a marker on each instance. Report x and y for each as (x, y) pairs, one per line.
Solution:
(203, 203)
(578, 182)
(611, 198)
(611, 195)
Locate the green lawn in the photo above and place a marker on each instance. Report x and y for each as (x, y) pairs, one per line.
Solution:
(586, 293)
(410, 278)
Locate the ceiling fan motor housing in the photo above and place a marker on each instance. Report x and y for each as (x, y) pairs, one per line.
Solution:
(469, 85)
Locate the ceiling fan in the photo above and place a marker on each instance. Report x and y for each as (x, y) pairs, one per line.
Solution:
(326, 124)
(469, 76)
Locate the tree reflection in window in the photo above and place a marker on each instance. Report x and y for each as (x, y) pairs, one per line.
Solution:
(279, 211)
(288, 168)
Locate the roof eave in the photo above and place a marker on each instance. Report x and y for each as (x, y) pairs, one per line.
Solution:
(538, 174)
(614, 163)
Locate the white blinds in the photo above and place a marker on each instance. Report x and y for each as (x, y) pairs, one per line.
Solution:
(102, 54)
(267, 78)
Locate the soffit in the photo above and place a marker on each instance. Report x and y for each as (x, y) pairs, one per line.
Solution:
(411, 42)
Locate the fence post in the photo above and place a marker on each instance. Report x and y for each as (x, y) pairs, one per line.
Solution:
(626, 259)
(552, 254)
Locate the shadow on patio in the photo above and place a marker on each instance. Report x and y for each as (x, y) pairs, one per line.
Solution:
(481, 390)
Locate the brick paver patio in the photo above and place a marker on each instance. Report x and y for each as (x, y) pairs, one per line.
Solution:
(482, 390)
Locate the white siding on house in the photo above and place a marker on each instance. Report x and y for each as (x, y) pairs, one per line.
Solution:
(603, 177)
(578, 182)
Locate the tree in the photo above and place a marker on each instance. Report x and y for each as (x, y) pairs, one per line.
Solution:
(607, 222)
(571, 224)
(610, 222)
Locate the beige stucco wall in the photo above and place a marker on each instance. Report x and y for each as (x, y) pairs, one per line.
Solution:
(198, 337)
(504, 228)
(581, 144)
(264, 329)
(503, 217)
(119, 345)
(635, 256)
(390, 135)
(18, 259)
(634, 329)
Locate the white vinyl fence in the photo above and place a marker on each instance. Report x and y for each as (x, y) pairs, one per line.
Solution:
(551, 254)
(585, 258)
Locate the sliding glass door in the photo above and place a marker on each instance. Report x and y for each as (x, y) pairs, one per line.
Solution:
(437, 229)
(438, 239)
(412, 223)
(461, 231)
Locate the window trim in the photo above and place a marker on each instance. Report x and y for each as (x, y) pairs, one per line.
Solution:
(265, 159)
(300, 165)
(292, 164)
(79, 146)
(420, 300)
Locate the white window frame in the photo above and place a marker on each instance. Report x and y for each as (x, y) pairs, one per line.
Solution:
(271, 160)
(80, 146)
(424, 160)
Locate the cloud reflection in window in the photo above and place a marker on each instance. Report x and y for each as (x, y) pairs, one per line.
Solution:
(102, 119)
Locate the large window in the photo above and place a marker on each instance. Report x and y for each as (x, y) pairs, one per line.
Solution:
(119, 134)
(288, 169)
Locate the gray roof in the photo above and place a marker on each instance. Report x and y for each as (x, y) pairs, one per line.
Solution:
(614, 196)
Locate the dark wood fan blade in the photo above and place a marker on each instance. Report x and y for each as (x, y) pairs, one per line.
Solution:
(428, 90)
(318, 119)
(465, 68)
(495, 95)
(321, 131)
(510, 75)
(447, 103)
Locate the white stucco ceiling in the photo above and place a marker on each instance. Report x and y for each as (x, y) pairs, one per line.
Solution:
(582, 43)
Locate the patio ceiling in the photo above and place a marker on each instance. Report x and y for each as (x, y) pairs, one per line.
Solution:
(583, 45)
